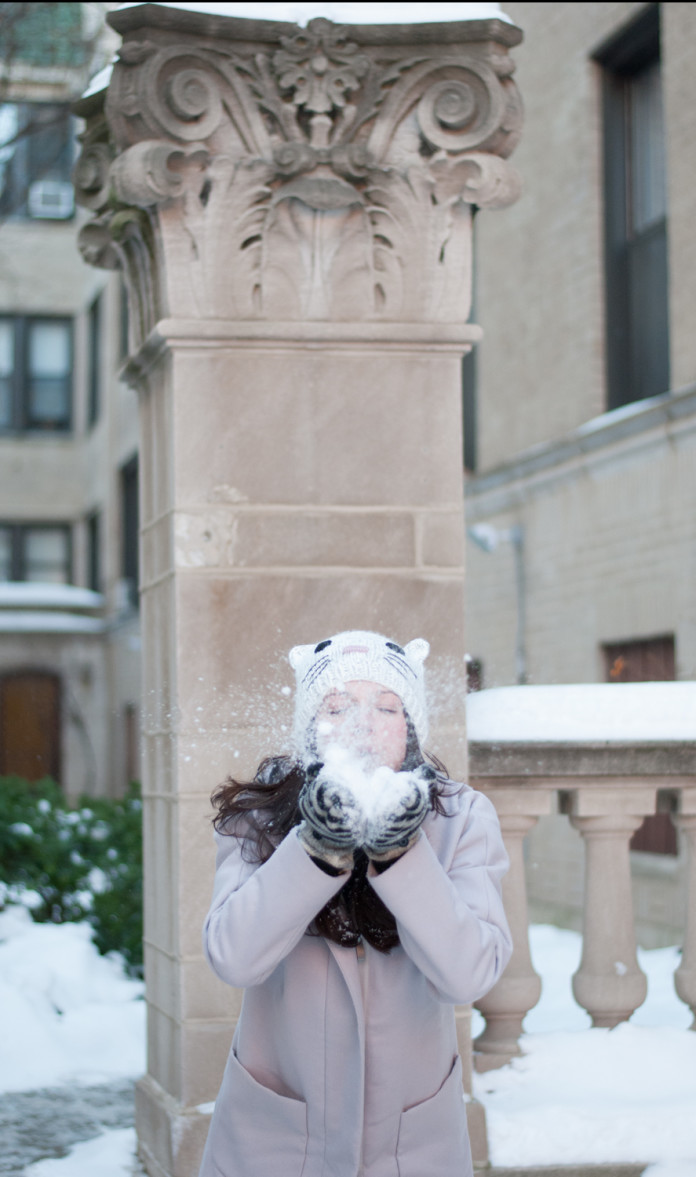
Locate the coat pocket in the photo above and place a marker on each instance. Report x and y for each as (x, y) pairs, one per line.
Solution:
(433, 1137)
(254, 1131)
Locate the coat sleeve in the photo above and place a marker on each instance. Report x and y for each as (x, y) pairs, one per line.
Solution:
(259, 913)
(451, 922)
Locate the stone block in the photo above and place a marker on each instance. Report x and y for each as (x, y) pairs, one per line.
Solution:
(337, 441)
(478, 1138)
(205, 996)
(157, 549)
(204, 1050)
(620, 800)
(161, 854)
(159, 764)
(195, 872)
(164, 1050)
(162, 976)
(372, 539)
(171, 1137)
(441, 538)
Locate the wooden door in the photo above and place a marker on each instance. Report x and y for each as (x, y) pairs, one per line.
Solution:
(30, 725)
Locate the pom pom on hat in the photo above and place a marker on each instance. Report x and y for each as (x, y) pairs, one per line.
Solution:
(353, 656)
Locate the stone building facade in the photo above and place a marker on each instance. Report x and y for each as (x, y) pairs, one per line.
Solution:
(69, 629)
(582, 402)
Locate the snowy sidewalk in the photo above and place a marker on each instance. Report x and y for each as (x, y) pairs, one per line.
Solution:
(47, 1123)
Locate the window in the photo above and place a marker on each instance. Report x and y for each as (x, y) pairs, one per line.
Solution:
(35, 552)
(36, 362)
(635, 214)
(130, 527)
(36, 156)
(645, 660)
(94, 552)
(94, 376)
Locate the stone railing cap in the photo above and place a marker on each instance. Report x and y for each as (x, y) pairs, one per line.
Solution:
(219, 24)
(647, 758)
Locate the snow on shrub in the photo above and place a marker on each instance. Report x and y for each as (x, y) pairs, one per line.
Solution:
(67, 865)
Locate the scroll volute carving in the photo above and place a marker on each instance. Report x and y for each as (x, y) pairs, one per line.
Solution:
(316, 177)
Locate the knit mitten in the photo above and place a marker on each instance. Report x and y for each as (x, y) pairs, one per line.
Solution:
(333, 825)
(398, 813)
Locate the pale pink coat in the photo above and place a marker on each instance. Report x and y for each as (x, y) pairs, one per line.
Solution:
(321, 1080)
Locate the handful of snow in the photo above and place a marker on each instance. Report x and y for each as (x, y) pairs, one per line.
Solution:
(379, 793)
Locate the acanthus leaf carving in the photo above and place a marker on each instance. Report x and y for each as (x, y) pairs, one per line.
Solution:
(150, 172)
(91, 176)
(476, 178)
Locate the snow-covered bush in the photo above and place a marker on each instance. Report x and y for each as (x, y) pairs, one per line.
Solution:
(69, 864)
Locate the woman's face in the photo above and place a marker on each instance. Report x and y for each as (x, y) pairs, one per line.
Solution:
(368, 720)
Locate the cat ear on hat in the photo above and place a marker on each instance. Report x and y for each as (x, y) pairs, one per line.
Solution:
(300, 656)
(417, 650)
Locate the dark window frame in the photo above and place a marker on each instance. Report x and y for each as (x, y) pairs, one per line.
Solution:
(130, 529)
(20, 410)
(93, 525)
(94, 343)
(636, 276)
(18, 546)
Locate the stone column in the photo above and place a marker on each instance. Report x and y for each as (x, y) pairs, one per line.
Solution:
(609, 983)
(292, 213)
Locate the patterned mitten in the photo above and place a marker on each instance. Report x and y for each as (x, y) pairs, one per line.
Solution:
(334, 824)
(398, 813)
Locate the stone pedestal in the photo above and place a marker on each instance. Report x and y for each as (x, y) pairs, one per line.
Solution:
(519, 988)
(685, 976)
(291, 210)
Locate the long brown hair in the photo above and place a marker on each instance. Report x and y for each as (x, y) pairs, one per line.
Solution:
(263, 811)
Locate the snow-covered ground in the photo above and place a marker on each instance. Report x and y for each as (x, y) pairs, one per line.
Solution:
(69, 1016)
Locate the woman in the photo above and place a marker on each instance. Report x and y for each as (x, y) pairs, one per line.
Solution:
(357, 899)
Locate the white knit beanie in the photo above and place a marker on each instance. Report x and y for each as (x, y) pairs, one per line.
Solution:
(354, 656)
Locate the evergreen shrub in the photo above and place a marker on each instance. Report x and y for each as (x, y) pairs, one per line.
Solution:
(70, 864)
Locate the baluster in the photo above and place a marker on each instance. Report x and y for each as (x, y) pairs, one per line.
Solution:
(685, 976)
(519, 988)
(609, 984)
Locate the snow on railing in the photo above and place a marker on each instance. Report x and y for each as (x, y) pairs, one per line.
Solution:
(607, 755)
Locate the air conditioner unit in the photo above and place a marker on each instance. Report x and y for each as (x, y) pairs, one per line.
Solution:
(51, 200)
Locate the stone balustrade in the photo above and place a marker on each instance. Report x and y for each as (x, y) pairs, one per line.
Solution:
(606, 789)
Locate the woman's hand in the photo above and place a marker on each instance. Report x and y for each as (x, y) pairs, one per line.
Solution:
(334, 823)
(398, 814)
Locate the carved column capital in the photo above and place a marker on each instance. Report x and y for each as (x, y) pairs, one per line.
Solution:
(318, 173)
